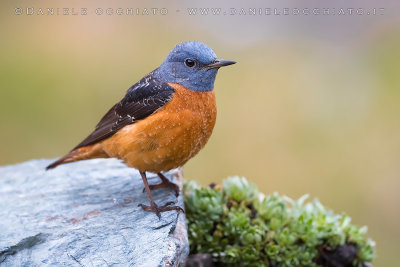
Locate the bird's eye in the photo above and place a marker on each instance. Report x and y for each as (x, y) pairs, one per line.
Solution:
(190, 62)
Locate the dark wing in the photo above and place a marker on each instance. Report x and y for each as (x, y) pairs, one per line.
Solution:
(140, 101)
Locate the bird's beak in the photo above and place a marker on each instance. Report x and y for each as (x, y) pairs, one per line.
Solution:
(218, 63)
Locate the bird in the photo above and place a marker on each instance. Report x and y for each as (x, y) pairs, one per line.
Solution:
(163, 120)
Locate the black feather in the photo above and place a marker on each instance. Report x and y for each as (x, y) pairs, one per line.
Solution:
(140, 101)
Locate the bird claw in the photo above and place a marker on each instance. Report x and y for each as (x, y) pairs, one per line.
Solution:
(157, 210)
(165, 183)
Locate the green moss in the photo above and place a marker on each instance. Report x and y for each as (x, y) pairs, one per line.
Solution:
(240, 226)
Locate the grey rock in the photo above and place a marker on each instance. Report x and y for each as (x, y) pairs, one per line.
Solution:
(86, 214)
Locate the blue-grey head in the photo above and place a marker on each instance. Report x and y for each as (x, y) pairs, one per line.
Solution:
(193, 65)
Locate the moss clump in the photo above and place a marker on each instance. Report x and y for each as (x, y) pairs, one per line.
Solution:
(240, 227)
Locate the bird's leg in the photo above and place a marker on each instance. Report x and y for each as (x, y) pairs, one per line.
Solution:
(153, 206)
(165, 183)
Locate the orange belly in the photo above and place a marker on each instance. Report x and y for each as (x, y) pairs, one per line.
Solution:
(168, 138)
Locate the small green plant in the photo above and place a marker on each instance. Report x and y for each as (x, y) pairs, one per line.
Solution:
(239, 226)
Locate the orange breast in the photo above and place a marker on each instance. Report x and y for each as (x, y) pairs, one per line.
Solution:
(168, 138)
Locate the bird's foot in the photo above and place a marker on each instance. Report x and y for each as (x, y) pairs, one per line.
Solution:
(157, 210)
(168, 184)
(165, 183)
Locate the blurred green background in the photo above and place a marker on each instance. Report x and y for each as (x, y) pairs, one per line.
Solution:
(313, 105)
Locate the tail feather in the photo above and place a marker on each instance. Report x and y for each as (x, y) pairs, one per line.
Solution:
(67, 158)
(87, 152)
(55, 164)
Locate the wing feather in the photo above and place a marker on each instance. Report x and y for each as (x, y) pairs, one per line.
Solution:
(140, 101)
